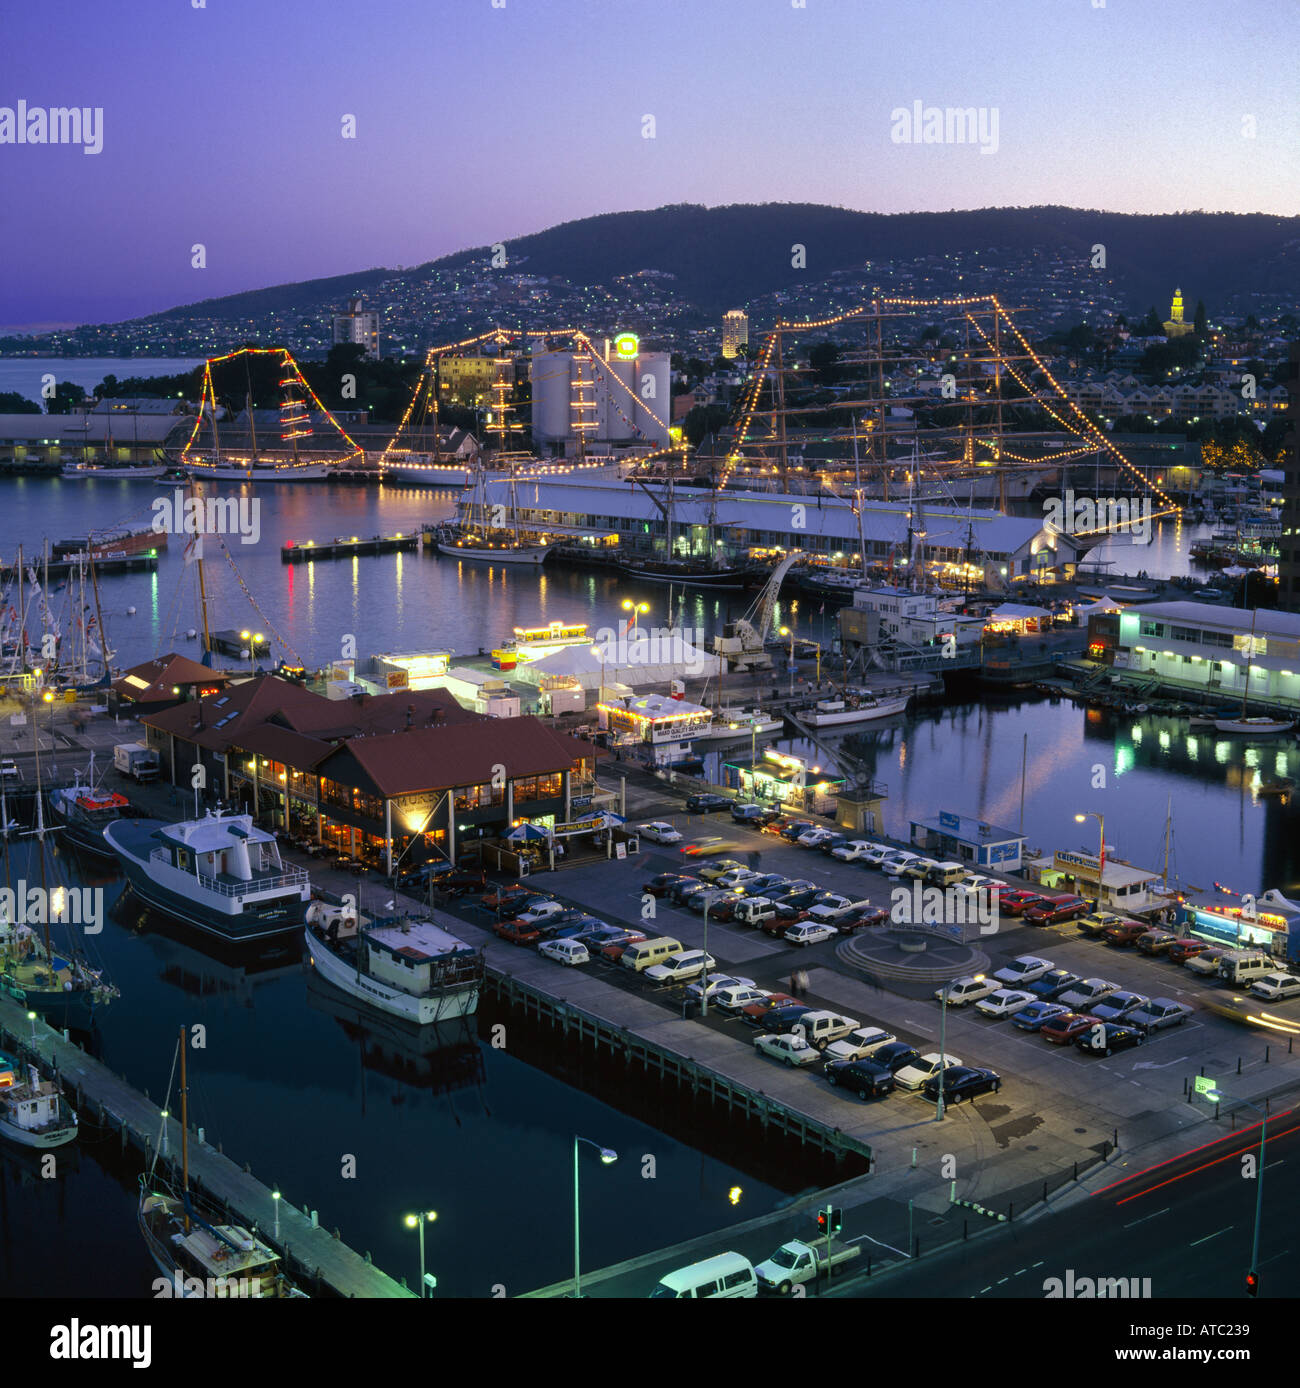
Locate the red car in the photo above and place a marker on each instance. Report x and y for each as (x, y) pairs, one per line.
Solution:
(1127, 933)
(1052, 909)
(614, 952)
(511, 894)
(778, 925)
(1183, 950)
(1060, 1031)
(1015, 903)
(864, 921)
(518, 932)
(775, 826)
(754, 1012)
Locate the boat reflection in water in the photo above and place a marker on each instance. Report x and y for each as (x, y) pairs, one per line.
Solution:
(440, 1057)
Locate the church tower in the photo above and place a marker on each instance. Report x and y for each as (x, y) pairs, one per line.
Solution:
(1175, 327)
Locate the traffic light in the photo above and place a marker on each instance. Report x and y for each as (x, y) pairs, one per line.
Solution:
(822, 1220)
(1252, 1284)
(837, 1220)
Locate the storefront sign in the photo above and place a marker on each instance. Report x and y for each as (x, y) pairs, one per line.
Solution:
(1079, 864)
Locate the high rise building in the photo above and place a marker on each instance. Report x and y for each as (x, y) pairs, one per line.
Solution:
(359, 326)
(735, 332)
(1288, 568)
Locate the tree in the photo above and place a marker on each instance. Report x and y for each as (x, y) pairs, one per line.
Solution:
(1200, 322)
(1152, 325)
(13, 403)
(822, 359)
(702, 420)
(67, 395)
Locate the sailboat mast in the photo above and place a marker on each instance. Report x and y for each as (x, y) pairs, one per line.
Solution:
(40, 835)
(22, 618)
(99, 614)
(1169, 813)
(1245, 691)
(185, 1136)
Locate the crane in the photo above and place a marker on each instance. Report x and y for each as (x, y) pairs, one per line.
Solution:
(744, 641)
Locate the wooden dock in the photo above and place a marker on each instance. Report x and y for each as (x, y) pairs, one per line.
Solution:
(309, 551)
(317, 1259)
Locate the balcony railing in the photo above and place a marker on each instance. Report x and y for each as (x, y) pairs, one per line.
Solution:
(234, 886)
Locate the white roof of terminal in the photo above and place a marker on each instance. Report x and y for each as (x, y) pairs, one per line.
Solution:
(1267, 622)
(822, 515)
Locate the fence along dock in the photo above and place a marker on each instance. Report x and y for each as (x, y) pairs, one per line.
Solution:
(316, 1258)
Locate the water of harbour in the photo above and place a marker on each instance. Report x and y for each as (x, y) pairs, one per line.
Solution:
(26, 375)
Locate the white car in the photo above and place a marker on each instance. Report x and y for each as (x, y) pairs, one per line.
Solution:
(659, 832)
(715, 983)
(9, 769)
(1086, 992)
(913, 1076)
(859, 1043)
(827, 912)
(976, 882)
(894, 862)
(809, 932)
(564, 951)
(811, 838)
(853, 850)
(876, 854)
(734, 999)
(966, 990)
(1024, 968)
(918, 867)
(1276, 987)
(737, 879)
(794, 1050)
(543, 911)
(677, 968)
(1004, 1002)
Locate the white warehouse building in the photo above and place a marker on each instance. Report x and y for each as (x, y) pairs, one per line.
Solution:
(624, 399)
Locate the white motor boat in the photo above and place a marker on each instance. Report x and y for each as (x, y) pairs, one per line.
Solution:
(34, 1114)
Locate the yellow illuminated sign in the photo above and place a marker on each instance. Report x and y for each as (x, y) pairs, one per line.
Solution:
(626, 344)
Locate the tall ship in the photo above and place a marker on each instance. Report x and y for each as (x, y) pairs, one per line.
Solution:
(33, 1112)
(854, 706)
(220, 874)
(139, 472)
(412, 969)
(482, 535)
(116, 543)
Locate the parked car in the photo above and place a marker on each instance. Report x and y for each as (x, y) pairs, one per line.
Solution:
(913, 1076)
(967, 990)
(896, 1056)
(1060, 1031)
(768, 882)
(705, 848)
(748, 814)
(851, 850)
(535, 912)
(1185, 948)
(707, 803)
(613, 949)
(962, 1082)
(661, 883)
(1125, 933)
(677, 968)
(739, 879)
(1004, 1002)
(721, 902)
(781, 1019)
(738, 997)
(1155, 942)
(566, 929)
(793, 1050)
(893, 863)
(564, 951)
(828, 846)
(1053, 984)
(710, 872)
(1276, 987)
(518, 932)
(876, 854)
(754, 1012)
(792, 904)
(1158, 1014)
(809, 932)
(835, 907)
(1105, 1037)
(9, 769)
(678, 891)
(598, 937)
(1024, 969)
(1054, 909)
(454, 881)
(715, 983)
(1086, 992)
(1017, 900)
(918, 868)
(657, 831)
(1206, 962)
(977, 882)
(1117, 1006)
(511, 894)
(1096, 923)
(791, 831)
(1037, 1014)
(865, 1078)
(859, 1043)
(777, 826)
(862, 921)
(812, 838)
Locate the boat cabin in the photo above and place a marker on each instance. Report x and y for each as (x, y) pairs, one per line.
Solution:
(225, 853)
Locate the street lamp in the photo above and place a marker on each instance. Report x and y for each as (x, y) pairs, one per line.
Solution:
(418, 1221)
(634, 608)
(785, 631)
(1101, 857)
(943, 1041)
(275, 1202)
(1217, 1095)
(607, 1158)
(31, 1017)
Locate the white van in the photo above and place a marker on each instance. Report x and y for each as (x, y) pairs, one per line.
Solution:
(821, 1028)
(727, 1274)
(1244, 966)
(643, 953)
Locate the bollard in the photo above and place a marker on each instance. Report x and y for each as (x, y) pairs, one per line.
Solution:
(1044, 1190)
(917, 1253)
(1239, 1061)
(1011, 1209)
(1266, 1051)
(1076, 1171)
(965, 1228)
(1184, 1084)
(315, 1223)
(1116, 1132)
(913, 1158)
(200, 1135)
(1217, 1107)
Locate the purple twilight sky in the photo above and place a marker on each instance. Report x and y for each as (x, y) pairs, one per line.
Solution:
(477, 122)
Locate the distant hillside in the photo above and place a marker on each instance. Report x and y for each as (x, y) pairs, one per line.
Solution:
(723, 256)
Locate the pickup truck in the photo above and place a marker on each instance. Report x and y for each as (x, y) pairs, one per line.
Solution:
(797, 1261)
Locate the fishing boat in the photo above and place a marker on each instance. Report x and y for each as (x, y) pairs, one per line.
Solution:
(33, 1113)
(221, 874)
(114, 543)
(736, 724)
(856, 706)
(476, 538)
(1255, 726)
(82, 814)
(412, 969)
(191, 1243)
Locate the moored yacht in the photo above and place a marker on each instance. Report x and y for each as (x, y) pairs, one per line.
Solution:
(410, 968)
(221, 874)
(856, 706)
(34, 1113)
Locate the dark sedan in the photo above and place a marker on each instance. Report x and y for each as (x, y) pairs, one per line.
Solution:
(662, 883)
(797, 827)
(1053, 984)
(683, 887)
(1037, 1014)
(1117, 1006)
(896, 1056)
(1105, 1037)
(961, 1082)
(781, 1019)
(865, 1078)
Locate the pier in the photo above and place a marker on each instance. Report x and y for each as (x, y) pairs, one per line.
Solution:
(308, 551)
(316, 1258)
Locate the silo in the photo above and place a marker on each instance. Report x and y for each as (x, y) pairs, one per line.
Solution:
(552, 387)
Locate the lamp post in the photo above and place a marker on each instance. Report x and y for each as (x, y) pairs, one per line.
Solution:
(943, 1042)
(704, 977)
(31, 1017)
(418, 1221)
(607, 1158)
(785, 631)
(1101, 857)
(634, 608)
(275, 1203)
(1217, 1095)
